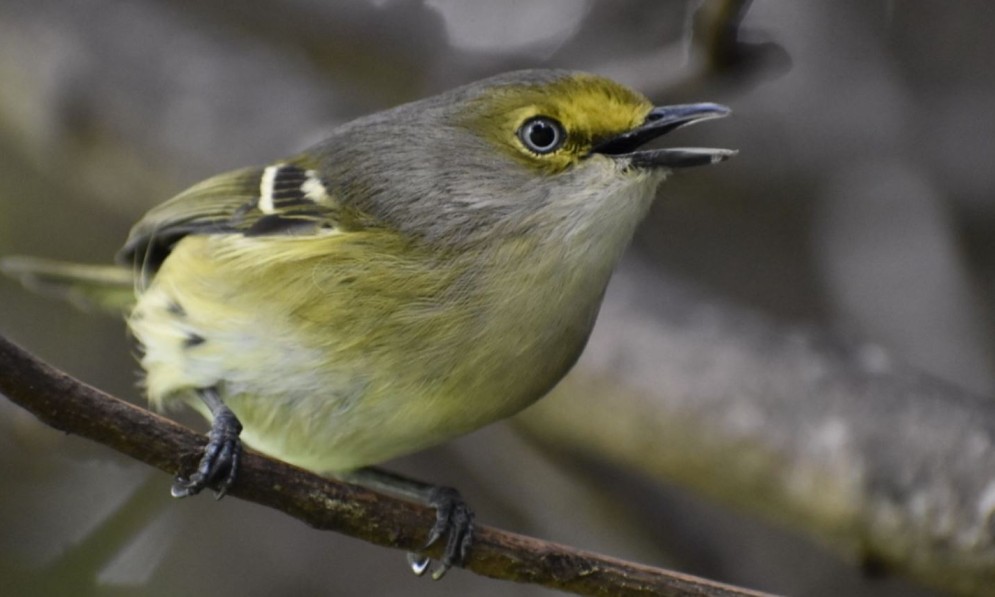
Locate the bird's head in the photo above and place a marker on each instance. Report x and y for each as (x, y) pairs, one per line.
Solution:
(502, 150)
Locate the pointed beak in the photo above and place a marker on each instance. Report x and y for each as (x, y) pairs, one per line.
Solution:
(661, 121)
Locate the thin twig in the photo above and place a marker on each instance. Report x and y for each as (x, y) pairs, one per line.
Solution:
(715, 33)
(74, 407)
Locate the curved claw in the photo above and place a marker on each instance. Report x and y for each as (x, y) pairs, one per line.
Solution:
(220, 460)
(419, 563)
(453, 519)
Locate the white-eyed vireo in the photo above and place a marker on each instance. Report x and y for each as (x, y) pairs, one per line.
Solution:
(420, 273)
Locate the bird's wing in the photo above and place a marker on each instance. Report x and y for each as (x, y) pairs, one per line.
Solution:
(281, 199)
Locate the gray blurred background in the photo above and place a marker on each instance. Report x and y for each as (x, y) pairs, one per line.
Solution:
(861, 203)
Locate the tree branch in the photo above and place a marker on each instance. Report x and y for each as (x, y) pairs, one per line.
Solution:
(74, 407)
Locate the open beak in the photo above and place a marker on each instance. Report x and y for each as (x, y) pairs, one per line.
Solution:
(661, 121)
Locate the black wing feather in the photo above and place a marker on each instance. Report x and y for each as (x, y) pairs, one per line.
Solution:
(230, 204)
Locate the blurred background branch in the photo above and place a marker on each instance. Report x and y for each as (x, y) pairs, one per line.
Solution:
(834, 438)
(860, 207)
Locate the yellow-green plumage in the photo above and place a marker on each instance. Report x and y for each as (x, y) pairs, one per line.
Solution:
(346, 350)
(417, 275)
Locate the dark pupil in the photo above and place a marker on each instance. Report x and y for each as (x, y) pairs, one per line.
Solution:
(542, 134)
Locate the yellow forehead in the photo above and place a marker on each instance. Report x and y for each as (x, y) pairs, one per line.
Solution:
(585, 104)
(589, 107)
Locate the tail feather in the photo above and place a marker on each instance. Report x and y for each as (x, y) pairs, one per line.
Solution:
(107, 288)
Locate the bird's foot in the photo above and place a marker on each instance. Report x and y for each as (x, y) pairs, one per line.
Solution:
(219, 464)
(453, 520)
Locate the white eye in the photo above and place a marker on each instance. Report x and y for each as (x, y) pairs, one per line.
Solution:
(542, 134)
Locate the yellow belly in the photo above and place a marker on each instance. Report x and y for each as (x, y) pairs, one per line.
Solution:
(335, 358)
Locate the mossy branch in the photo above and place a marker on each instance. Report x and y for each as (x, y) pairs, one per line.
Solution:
(74, 407)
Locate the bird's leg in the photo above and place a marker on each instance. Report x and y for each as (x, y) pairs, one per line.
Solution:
(453, 518)
(219, 463)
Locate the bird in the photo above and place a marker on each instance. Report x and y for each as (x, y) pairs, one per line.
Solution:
(421, 272)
